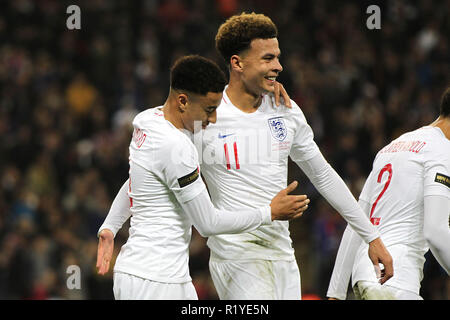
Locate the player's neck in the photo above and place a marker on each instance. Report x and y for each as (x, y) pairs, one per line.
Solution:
(443, 123)
(170, 110)
(241, 98)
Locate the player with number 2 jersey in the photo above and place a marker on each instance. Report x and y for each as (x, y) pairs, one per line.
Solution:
(407, 196)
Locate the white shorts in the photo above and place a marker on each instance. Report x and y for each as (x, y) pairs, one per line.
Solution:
(256, 279)
(129, 287)
(367, 290)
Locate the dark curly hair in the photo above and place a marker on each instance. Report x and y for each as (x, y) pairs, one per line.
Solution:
(445, 103)
(197, 74)
(236, 34)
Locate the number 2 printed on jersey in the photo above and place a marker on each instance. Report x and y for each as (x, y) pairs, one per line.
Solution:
(387, 168)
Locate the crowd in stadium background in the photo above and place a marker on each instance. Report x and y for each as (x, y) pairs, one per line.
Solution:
(67, 98)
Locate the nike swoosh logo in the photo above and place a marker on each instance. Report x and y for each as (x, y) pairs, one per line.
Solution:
(225, 135)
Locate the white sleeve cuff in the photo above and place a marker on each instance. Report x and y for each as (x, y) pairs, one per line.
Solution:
(266, 214)
(110, 228)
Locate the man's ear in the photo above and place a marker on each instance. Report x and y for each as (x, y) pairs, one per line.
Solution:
(182, 101)
(236, 63)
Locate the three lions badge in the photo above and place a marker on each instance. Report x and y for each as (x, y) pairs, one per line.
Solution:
(277, 128)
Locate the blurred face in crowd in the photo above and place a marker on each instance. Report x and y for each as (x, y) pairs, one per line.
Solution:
(259, 65)
(198, 108)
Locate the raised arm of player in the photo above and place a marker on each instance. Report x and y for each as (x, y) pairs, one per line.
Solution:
(436, 230)
(336, 192)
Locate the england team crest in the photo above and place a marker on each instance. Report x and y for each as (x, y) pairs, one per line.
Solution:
(277, 128)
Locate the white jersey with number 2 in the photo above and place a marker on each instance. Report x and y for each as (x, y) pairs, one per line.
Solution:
(415, 165)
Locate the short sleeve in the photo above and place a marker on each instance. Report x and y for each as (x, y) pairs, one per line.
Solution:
(303, 145)
(181, 170)
(437, 172)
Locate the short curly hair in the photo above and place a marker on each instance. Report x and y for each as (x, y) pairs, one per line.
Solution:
(197, 74)
(236, 33)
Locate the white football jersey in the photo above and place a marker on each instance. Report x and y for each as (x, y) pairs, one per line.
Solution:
(415, 165)
(244, 160)
(163, 172)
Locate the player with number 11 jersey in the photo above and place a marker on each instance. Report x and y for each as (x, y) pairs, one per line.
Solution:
(244, 162)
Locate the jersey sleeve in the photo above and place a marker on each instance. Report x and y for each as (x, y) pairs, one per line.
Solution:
(437, 203)
(436, 231)
(331, 186)
(181, 170)
(437, 172)
(119, 211)
(211, 221)
(303, 145)
(142, 148)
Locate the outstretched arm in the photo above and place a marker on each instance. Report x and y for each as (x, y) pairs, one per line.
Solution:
(331, 186)
(336, 192)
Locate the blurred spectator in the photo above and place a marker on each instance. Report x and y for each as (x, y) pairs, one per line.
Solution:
(80, 95)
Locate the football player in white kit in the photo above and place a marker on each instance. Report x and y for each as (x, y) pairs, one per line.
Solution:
(407, 196)
(167, 196)
(245, 160)
(261, 264)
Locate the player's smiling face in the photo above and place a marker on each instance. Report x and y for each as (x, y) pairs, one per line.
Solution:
(261, 65)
